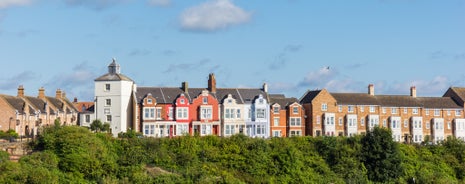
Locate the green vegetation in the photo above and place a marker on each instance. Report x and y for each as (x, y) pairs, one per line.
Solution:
(65, 154)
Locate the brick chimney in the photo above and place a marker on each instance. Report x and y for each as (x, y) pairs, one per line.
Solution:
(20, 91)
(185, 87)
(413, 91)
(58, 94)
(212, 83)
(75, 100)
(41, 93)
(371, 90)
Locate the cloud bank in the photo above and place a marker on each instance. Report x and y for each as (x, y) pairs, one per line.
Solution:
(213, 16)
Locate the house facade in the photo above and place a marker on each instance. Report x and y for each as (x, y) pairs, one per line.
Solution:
(411, 118)
(27, 114)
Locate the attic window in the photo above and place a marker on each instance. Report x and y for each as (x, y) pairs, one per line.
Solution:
(205, 100)
(149, 101)
(182, 101)
(229, 101)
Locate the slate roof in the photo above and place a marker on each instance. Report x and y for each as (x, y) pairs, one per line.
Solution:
(56, 103)
(309, 96)
(169, 94)
(438, 102)
(113, 77)
(37, 103)
(355, 99)
(460, 92)
(282, 100)
(398, 101)
(16, 102)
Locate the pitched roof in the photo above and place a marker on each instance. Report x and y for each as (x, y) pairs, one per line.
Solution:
(15, 102)
(113, 77)
(398, 101)
(282, 100)
(438, 102)
(355, 99)
(459, 91)
(38, 103)
(309, 96)
(169, 94)
(83, 106)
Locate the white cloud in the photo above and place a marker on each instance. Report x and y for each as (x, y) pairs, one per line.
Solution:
(9, 3)
(159, 2)
(213, 15)
(319, 78)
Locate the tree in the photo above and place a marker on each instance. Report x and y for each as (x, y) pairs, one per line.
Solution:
(96, 125)
(381, 155)
(106, 127)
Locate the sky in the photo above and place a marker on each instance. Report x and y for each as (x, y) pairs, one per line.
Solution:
(292, 45)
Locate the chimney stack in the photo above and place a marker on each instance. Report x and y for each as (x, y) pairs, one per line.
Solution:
(75, 100)
(371, 90)
(212, 83)
(413, 91)
(265, 87)
(20, 91)
(185, 87)
(58, 94)
(41, 93)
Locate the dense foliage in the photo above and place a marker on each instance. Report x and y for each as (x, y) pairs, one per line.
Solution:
(76, 155)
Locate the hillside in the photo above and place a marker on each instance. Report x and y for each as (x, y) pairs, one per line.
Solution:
(76, 155)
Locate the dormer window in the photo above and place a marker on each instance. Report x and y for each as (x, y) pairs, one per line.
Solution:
(260, 101)
(229, 101)
(276, 109)
(149, 101)
(182, 101)
(295, 110)
(205, 100)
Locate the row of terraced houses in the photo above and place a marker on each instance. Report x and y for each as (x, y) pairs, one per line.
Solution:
(175, 111)
(182, 110)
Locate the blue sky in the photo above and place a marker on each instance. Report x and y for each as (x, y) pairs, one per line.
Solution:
(289, 44)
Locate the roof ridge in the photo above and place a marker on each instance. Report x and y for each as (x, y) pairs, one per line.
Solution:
(240, 96)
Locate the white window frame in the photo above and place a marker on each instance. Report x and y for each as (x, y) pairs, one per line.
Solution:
(170, 113)
(414, 110)
(295, 110)
(293, 133)
(260, 113)
(158, 113)
(275, 121)
(108, 102)
(295, 121)
(107, 87)
(372, 108)
(458, 112)
(87, 118)
(108, 118)
(276, 109)
(437, 112)
(206, 113)
(350, 108)
(394, 110)
(149, 112)
(182, 113)
(324, 107)
(339, 108)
